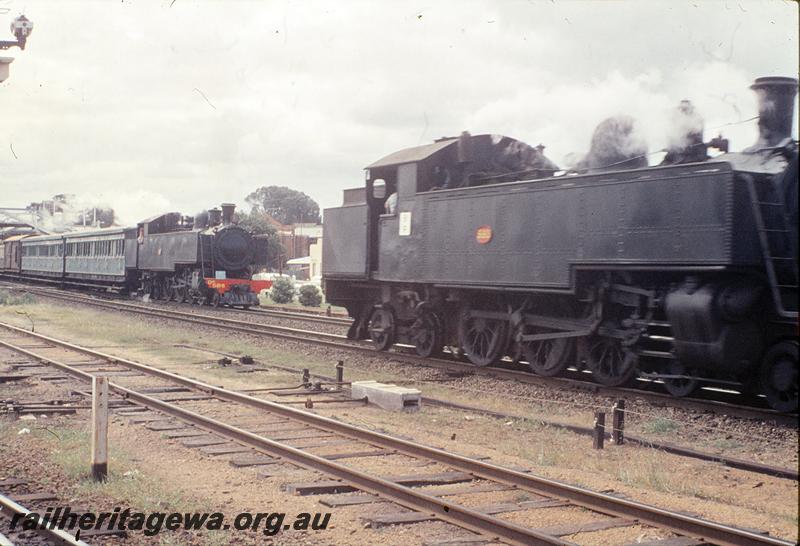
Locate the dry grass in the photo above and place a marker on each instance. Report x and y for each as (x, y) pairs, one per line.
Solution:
(550, 451)
(68, 448)
(8, 297)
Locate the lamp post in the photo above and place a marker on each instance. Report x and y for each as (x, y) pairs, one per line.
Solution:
(21, 28)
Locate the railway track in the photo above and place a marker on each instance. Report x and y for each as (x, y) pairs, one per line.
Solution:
(10, 508)
(709, 402)
(285, 435)
(308, 317)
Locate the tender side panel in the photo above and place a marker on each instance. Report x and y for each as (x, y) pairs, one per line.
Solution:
(344, 248)
(162, 251)
(539, 231)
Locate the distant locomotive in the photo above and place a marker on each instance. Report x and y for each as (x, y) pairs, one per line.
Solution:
(165, 257)
(685, 273)
(209, 264)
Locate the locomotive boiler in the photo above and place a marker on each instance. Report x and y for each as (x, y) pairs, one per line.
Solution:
(684, 273)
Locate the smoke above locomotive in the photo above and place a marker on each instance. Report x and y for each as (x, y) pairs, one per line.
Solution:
(683, 273)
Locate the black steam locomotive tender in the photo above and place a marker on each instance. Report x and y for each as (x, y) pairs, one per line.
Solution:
(684, 273)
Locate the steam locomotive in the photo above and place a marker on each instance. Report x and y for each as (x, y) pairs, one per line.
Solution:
(167, 257)
(683, 273)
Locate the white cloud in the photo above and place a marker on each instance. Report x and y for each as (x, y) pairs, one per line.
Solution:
(179, 106)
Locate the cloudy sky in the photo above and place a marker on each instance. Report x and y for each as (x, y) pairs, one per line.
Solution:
(154, 105)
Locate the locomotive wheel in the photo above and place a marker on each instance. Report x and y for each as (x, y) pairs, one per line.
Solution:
(549, 357)
(679, 387)
(147, 290)
(180, 294)
(427, 335)
(216, 301)
(779, 376)
(381, 329)
(166, 289)
(483, 339)
(608, 361)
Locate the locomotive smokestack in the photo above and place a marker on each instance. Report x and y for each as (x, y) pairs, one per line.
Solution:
(214, 217)
(227, 213)
(775, 110)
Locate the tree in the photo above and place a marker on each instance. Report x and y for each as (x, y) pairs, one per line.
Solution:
(258, 224)
(282, 290)
(309, 296)
(285, 205)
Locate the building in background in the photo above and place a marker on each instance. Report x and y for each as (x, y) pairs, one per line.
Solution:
(302, 244)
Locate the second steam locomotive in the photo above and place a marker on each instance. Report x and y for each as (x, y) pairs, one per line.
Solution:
(167, 257)
(685, 272)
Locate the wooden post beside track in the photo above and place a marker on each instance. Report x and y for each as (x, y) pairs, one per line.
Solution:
(99, 428)
(340, 371)
(599, 429)
(618, 423)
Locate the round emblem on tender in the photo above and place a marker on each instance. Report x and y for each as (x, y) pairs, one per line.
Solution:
(483, 234)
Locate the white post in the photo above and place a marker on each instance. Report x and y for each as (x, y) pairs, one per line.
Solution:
(99, 428)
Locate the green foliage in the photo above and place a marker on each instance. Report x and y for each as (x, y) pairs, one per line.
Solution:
(660, 425)
(282, 290)
(309, 296)
(285, 205)
(257, 223)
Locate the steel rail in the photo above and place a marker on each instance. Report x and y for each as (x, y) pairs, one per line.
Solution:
(448, 511)
(283, 332)
(733, 462)
(302, 316)
(680, 523)
(57, 535)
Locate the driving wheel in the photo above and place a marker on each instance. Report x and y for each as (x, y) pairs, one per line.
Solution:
(381, 328)
(483, 339)
(427, 335)
(611, 365)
